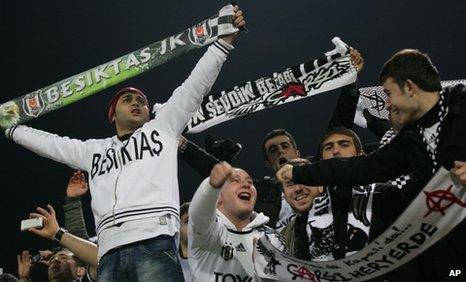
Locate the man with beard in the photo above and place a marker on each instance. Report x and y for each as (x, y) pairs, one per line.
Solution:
(222, 226)
(63, 266)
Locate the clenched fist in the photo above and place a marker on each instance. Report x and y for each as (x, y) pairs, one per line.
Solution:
(219, 174)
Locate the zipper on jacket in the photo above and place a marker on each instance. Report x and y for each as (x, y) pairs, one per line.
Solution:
(116, 185)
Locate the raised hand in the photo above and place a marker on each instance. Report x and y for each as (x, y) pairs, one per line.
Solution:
(459, 170)
(50, 223)
(24, 265)
(356, 59)
(219, 174)
(77, 186)
(238, 21)
(285, 174)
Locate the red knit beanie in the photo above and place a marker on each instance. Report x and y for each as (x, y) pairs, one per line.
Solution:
(113, 102)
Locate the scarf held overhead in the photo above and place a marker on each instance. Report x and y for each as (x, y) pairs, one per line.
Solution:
(433, 213)
(302, 81)
(80, 86)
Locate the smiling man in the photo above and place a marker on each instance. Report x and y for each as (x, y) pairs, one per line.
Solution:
(222, 226)
(433, 134)
(301, 199)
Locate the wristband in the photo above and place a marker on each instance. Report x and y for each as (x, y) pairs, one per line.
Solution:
(59, 234)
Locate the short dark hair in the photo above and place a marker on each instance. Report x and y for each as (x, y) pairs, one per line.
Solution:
(274, 133)
(414, 65)
(343, 131)
(184, 208)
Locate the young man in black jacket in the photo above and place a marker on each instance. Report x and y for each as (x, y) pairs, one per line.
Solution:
(342, 220)
(433, 135)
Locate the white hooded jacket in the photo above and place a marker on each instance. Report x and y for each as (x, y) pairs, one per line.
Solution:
(133, 184)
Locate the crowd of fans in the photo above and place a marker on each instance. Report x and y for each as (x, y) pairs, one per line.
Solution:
(312, 207)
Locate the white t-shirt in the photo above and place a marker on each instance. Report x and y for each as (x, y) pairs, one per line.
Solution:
(217, 250)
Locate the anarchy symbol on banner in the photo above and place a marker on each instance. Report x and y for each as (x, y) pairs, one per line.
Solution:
(441, 195)
(304, 273)
(377, 102)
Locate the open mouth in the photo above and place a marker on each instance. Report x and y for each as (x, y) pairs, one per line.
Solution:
(282, 161)
(136, 111)
(55, 267)
(245, 196)
(300, 197)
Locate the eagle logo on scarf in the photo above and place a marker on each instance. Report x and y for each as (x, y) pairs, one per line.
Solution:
(269, 256)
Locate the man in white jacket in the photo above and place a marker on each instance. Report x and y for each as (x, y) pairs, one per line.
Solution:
(222, 226)
(133, 175)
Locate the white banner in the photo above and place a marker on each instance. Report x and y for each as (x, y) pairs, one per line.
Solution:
(373, 99)
(438, 208)
(302, 81)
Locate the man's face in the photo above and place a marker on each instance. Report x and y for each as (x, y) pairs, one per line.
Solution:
(62, 267)
(131, 111)
(401, 105)
(279, 151)
(338, 146)
(300, 197)
(238, 195)
(184, 228)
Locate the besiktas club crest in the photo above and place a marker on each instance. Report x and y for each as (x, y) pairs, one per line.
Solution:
(33, 104)
(227, 252)
(200, 33)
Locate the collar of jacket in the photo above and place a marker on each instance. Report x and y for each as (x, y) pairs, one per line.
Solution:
(257, 219)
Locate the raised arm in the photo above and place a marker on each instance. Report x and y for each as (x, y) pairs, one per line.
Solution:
(74, 218)
(186, 99)
(203, 160)
(71, 152)
(202, 210)
(83, 249)
(197, 158)
(345, 109)
(386, 163)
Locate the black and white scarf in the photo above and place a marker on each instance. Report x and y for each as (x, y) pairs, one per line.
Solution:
(321, 228)
(373, 99)
(430, 135)
(330, 72)
(401, 181)
(423, 223)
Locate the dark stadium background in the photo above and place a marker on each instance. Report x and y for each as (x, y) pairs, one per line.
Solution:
(45, 41)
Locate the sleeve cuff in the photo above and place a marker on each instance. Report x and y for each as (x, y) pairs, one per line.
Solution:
(223, 47)
(9, 132)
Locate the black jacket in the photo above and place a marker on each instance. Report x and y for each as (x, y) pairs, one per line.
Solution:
(407, 153)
